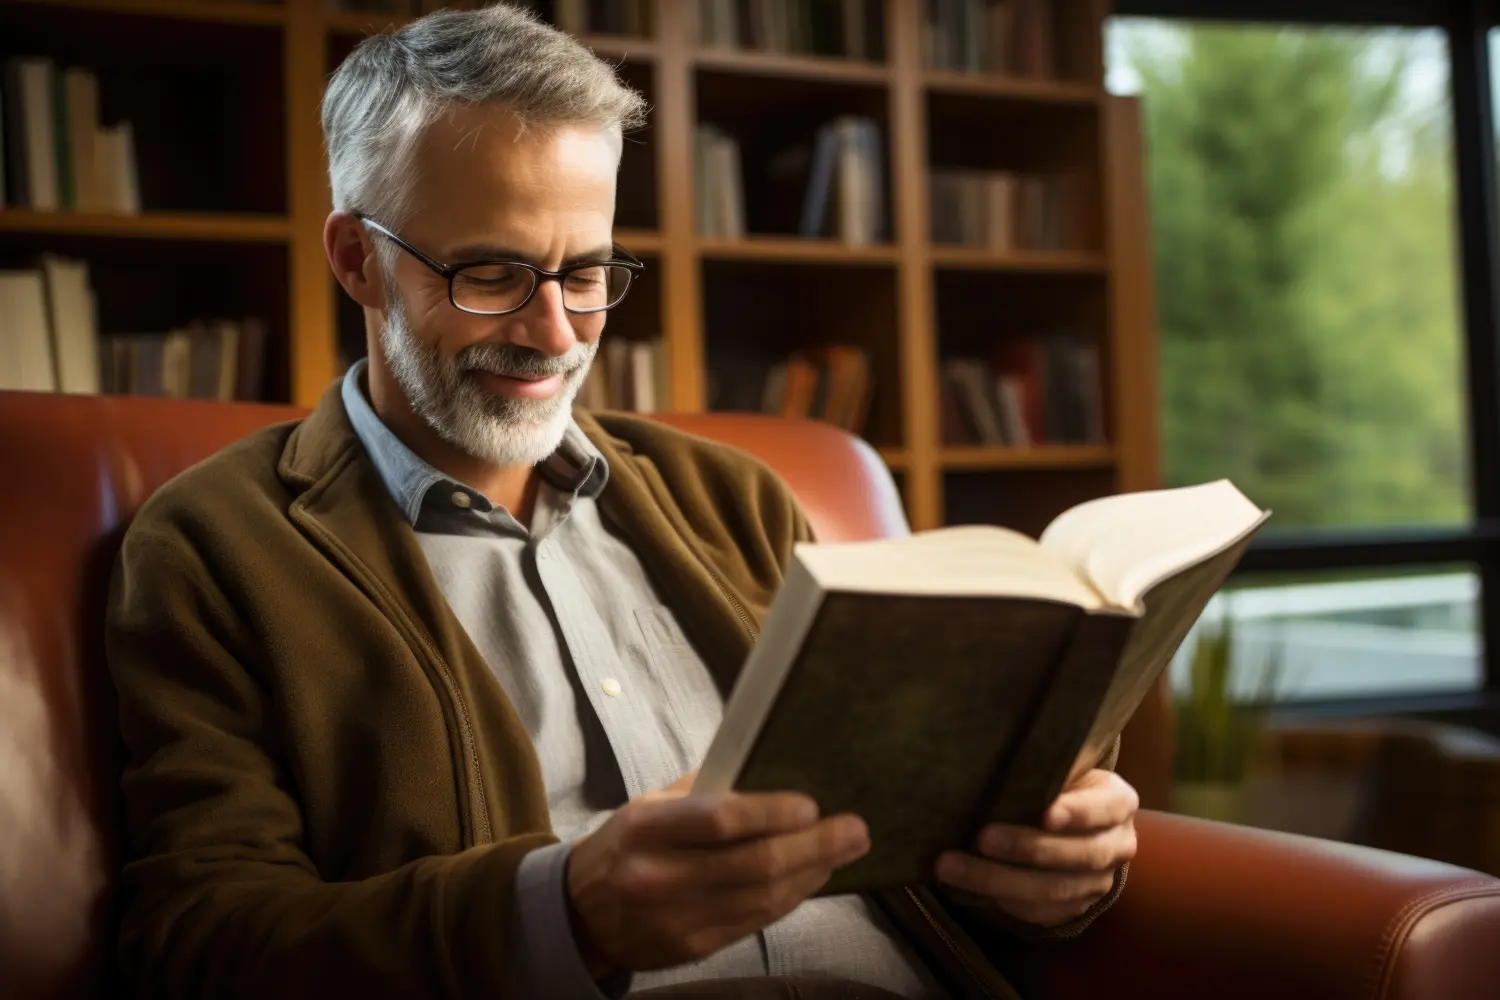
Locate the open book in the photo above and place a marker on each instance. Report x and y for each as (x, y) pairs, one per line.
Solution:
(955, 677)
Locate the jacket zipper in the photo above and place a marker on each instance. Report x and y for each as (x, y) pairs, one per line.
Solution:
(949, 943)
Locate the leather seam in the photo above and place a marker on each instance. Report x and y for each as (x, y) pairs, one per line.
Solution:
(1401, 924)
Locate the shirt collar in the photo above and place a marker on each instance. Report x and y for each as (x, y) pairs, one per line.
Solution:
(576, 466)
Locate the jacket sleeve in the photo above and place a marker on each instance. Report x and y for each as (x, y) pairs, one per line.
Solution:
(220, 899)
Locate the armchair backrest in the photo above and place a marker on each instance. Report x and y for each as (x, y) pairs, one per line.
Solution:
(75, 469)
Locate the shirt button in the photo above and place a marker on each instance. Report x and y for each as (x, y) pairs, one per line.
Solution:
(611, 687)
(461, 499)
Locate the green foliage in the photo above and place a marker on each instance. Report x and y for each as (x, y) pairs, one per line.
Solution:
(1303, 229)
(1216, 733)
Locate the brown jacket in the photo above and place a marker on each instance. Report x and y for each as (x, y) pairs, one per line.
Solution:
(326, 788)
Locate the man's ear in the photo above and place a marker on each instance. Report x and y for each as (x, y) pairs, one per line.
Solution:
(351, 254)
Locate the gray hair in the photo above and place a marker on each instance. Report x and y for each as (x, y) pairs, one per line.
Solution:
(393, 86)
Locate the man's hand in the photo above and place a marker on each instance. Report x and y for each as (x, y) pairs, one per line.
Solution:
(669, 879)
(1053, 875)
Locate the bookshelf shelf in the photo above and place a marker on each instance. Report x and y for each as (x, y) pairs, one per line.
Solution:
(980, 458)
(149, 225)
(1049, 261)
(794, 249)
(1019, 88)
(185, 10)
(800, 67)
(895, 459)
(639, 241)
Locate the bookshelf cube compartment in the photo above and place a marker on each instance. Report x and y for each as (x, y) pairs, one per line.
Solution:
(204, 100)
(787, 156)
(1014, 173)
(1023, 361)
(758, 315)
(156, 286)
(1025, 501)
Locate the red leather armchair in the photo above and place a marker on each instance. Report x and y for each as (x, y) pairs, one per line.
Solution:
(1210, 910)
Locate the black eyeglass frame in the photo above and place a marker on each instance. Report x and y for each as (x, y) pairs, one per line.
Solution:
(539, 274)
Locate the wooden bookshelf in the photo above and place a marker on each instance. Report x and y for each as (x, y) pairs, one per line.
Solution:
(908, 302)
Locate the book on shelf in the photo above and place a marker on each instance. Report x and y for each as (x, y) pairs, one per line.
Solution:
(832, 383)
(627, 375)
(1032, 390)
(203, 359)
(830, 186)
(57, 155)
(26, 358)
(850, 29)
(999, 37)
(934, 683)
(720, 190)
(999, 209)
(47, 328)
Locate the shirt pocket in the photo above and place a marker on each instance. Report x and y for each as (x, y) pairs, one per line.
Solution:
(682, 678)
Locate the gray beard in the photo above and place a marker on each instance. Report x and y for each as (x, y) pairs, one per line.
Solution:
(501, 430)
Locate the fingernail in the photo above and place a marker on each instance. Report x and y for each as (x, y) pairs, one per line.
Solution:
(993, 840)
(947, 867)
(856, 835)
(1058, 816)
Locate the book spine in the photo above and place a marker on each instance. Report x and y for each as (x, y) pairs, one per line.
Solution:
(1047, 756)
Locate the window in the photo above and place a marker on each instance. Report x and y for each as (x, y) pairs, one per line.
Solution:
(1302, 198)
(1339, 635)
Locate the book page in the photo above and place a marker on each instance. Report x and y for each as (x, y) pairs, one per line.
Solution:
(965, 561)
(1171, 609)
(1129, 543)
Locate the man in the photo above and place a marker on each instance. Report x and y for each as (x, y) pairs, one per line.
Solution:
(411, 689)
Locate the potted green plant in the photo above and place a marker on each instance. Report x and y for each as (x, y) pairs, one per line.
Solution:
(1217, 733)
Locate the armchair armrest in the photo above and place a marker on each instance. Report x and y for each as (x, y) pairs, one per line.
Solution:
(1230, 912)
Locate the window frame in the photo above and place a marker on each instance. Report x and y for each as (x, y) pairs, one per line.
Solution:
(1467, 24)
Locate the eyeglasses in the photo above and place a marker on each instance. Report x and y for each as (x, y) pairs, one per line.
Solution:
(497, 287)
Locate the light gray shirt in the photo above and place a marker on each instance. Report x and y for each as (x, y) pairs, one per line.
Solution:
(616, 701)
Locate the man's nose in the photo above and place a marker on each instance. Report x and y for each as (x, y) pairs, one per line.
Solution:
(544, 324)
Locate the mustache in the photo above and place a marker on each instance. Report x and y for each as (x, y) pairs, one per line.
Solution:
(517, 361)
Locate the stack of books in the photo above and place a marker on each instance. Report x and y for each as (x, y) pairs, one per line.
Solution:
(1032, 390)
(627, 375)
(850, 29)
(57, 155)
(833, 384)
(204, 359)
(999, 209)
(1003, 37)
